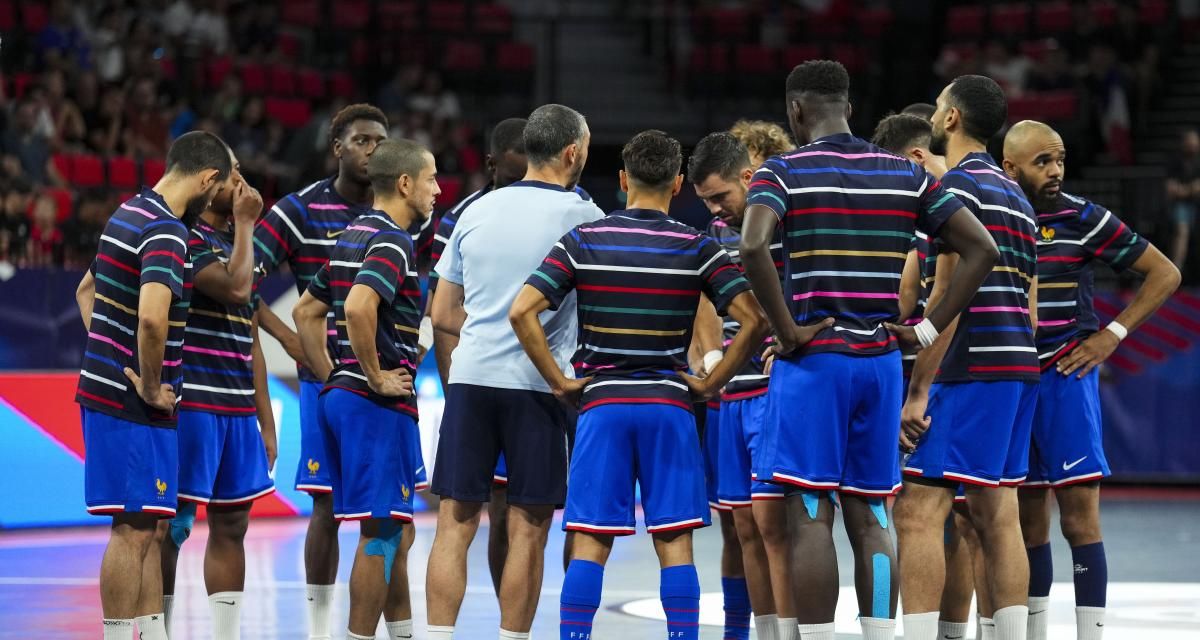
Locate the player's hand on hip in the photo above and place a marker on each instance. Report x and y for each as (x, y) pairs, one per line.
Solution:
(799, 335)
(1089, 354)
(247, 204)
(906, 336)
(396, 383)
(699, 387)
(913, 423)
(161, 397)
(768, 359)
(572, 390)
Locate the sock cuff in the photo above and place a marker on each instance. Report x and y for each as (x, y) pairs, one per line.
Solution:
(768, 617)
(680, 581)
(1088, 547)
(816, 628)
(513, 635)
(150, 616)
(226, 594)
(118, 622)
(877, 623)
(928, 615)
(1015, 609)
(319, 588)
(355, 636)
(1090, 609)
(582, 584)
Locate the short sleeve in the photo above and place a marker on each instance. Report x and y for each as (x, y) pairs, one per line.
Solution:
(275, 236)
(163, 255)
(449, 265)
(320, 287)
(1112, 241)
(200, 251)
(935, 202)
(722, 279)
(767, 188)
(385, 264)
(555, 277)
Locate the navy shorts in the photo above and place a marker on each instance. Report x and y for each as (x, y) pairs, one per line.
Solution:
(128, 467)
(370, 453)
(978, 433)
(710, 446)
(528, 428)
(312, 474)
(1068, 442)
(222, 459)
(655, 445)
(833, 423)
(741, 430)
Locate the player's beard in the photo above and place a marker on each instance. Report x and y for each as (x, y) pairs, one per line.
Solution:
(937, 143)
(1040, 200)
(195, 207)
(576, 173)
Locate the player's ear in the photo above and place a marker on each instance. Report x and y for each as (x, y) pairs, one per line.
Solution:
(953, 118)
(489, 164)
(918, 155)
(1009, 168)
(624, 180)
(849, 110)
(570, 154)
(337, 148)
(208, 178)
(678, 185)
(747, 175)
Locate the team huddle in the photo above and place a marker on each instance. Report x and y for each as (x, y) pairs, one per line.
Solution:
(899, 328)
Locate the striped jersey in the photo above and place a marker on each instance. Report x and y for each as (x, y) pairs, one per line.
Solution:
(638, 275)
(750, 381)
(374, 252)
(445, 227)
(1072, 237)
(849, 212)
(994, 340)
(927, 263)
(301, 230)
(143, 242)
(217, 370)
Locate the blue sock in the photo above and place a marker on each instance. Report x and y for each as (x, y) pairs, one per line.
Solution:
(680, 592)
(1091, 575)
(737, 609)
(579, 600)
(1041, 570)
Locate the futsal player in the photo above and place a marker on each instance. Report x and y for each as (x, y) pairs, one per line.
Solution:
(762, 139)
(638, 275)
(496, 402)
(226, 461)
(910, 136)
(134, 303)
(1067, 453)
(972, 426)
(367, 408)
(719, 170)
(849, 210)
(922, 110)
(301, 230)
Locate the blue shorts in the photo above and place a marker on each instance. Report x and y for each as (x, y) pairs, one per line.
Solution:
(1067, 445)
(370, 457)
(741, 430)
(653, 444)
(128, 467)
(222, 459)
(528, 427)
(500, 475)
(710, 447)
(833, 423)
(978, 433)
(312, 474)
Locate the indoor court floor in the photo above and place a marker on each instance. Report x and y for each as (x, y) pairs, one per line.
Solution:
(48, 586)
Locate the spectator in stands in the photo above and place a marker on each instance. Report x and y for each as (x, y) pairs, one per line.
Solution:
(105, 121)
(81, 233)
(27, 151)
(227, 102)
(394, 96)
(15, 227)
(248, 133)
(64, 113)
(1006, 66)
(62, 43)
(146, 124)
(108, 57)
(45, 237)
(1053, 73)
(435, 100)
(1183, 194)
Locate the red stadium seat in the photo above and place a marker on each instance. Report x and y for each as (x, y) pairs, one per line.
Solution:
(301, 13)
(447, 17)
(8, 16)
(1154, 12)
(514, 56)
(1011, 19)
(281, 80)
(493, 19)
(1027, 107)
(965, 22)
(20, 82)
(350, 15)
(1104, 12)
(1053, 17)
(216, 70)
(361, 50)
(63, 201)
(729, 24)
(290, 112)
(153, 170)
(62, 163)
(795, 54)
(872, 23)
(463, 55)
(87, 171)
(122, 173)
(451, 190)
(1037, 49)
(288, 44)
(34, 17)
(399, 15)
(850, 55)
(254, 78)
(1059, 106)
(754, 58)
(311, 83)
(341, 84)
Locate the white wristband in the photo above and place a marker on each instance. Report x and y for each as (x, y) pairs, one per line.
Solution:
(926, 333)
(711, 359)
(1118, 330)
(426, 337)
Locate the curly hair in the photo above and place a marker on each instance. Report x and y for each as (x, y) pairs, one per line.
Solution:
(346, 117)
(762, 139)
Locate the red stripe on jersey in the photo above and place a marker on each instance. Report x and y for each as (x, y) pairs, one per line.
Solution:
(854, 212)
(173, 256)
(116, 263)
(662, 292)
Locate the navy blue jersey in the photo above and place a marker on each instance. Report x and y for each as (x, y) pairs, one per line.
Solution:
(445, 227)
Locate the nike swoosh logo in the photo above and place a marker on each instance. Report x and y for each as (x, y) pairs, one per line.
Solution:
(228, 603)
(310, 599)
(952, 638)
(1036, 613)
(1068, 467)
(334, 234)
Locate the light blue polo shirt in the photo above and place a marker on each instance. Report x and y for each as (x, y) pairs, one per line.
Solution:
(497, 243)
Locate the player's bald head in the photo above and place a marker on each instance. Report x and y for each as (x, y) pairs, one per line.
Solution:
(1029, 137)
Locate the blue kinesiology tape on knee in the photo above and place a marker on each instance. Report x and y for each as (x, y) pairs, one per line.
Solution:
(812, 502)
(181, 525)
(881, 595)
(386, 545)
(880, 511)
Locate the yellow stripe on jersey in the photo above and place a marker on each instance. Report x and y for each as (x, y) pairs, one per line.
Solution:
(860, 254)
(633, 332)
(114, 303)
(222, 316)
(406, 328)
(1014, 270)
(1057, 285)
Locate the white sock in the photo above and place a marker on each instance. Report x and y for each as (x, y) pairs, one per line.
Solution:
(513, 635)
(439, 633)
(1089, 622)
(168, 605)
(950, 630)
(921, 626)
(816, 631)
(1011, 622)
(118, 629)
(987, 629)
(766, 627)
(878, 628)
(1036, 628)
(226, 609)
(788, 629)
(320, 605)
(152, 627)
(354, 636)
(399, 629)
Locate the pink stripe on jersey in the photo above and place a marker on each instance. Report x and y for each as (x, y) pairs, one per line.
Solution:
(1000, 310)
(141, 211)
(645, 232)
(172, 363)
(332, 332)
(847, 156)
(1055, 323)
(845, 294)
(219, 354)
(359, 227)
(584, 365)
(328, 207)
(107, 340)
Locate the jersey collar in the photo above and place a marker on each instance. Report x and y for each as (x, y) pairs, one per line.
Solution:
(539, 185)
